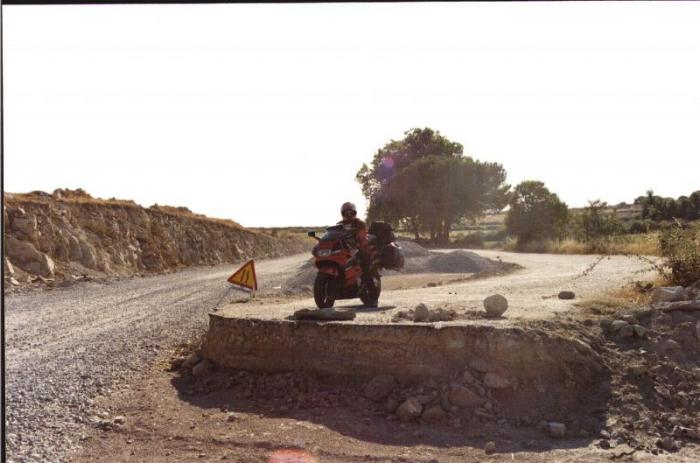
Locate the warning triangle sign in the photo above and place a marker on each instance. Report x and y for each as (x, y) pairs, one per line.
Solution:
(245, 276)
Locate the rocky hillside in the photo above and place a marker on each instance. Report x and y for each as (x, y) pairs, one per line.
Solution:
(69, 235)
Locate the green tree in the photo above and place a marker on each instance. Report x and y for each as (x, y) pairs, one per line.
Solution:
(596, 226)
(535, 213)
(424, 183)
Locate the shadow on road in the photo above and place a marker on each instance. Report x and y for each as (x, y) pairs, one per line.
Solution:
(340, 409)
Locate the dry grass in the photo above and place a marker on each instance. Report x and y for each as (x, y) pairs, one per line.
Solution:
(643, 245)
(627, 297)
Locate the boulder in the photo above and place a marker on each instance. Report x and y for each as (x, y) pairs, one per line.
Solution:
(409, 409)
(626, 331)
(490, 447)
(379, 387)
(464, 397)
(327, 314)
(639, 330)
(668, 294)
(495, 305)
(421, 313)
(617, 325)
(27, 257)
(192, 360)
(433, 414)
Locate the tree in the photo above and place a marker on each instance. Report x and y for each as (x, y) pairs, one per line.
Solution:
(535, 213)
(424, 182)
(596, 226)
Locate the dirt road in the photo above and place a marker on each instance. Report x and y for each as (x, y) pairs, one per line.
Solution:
(531, 291)
(65, 347)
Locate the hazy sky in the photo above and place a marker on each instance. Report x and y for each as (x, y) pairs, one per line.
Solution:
(263, 113)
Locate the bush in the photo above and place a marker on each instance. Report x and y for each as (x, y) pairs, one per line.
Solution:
(680, 246)
(596, 228)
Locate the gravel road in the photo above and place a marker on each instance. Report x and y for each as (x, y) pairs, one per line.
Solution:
(68, 345)
(64, 347)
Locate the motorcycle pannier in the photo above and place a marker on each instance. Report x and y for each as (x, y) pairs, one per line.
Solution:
(391, 256)
(383, 232)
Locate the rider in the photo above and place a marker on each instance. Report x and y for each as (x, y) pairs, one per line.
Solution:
(358, 227)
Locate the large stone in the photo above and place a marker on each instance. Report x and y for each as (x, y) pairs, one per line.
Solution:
(668, 294)
(421, 313)
(433, 414)
(617, 325)
(192, 360)
(379, 387)
(327, 314)
(495, 381)
(626, 331)
(409, 409)
(28, 258)
(495, 305)
(464, 397)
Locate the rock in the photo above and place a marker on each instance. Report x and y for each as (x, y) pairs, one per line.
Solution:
(668, 443)
(27, 257)
(626, 331)
(697, 331)
(495, 381)
(480, 365)
(327, 314)
(617, 325)
(379, 387)
(681, 431)
(119, 420)
(13, 282)
(203, 368)
(490, 447)
(467, 377)
(556, 430)
(433, 414)
(421, 313)
(391, 405)
(566, 295)
(192, 360)
(668, 345)
(604, 444)
(639, 330)
(668, 294)
(231, 417)
(409, 409)
(463, 397)
(495, 305)
(8, 268)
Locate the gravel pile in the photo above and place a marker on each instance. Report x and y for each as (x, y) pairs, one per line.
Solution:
(418, 260)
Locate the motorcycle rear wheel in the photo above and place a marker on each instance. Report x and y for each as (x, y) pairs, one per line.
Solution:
(324, 290)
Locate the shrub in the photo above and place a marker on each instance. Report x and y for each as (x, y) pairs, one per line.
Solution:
(597, 228)
(680, 246)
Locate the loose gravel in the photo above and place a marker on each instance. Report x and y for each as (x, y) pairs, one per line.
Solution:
(66, 346)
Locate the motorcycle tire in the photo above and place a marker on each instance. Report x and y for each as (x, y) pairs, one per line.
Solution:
(370, 297)
(324, 290)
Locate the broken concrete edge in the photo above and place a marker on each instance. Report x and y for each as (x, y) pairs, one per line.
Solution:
(539, 369)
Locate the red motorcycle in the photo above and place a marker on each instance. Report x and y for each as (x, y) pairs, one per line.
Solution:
(339, 272)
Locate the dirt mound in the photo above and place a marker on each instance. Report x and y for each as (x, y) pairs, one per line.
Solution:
(63, 236)
(460, 262)
(411, 249)
(418, 260)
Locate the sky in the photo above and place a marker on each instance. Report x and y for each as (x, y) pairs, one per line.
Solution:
(264, 113)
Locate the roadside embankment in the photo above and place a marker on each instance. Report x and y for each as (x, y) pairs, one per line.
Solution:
(68, 235)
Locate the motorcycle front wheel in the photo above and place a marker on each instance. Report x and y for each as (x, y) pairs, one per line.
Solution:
(324, 290)
(370, 296)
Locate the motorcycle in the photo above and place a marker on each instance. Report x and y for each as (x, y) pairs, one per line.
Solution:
(339, 271)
